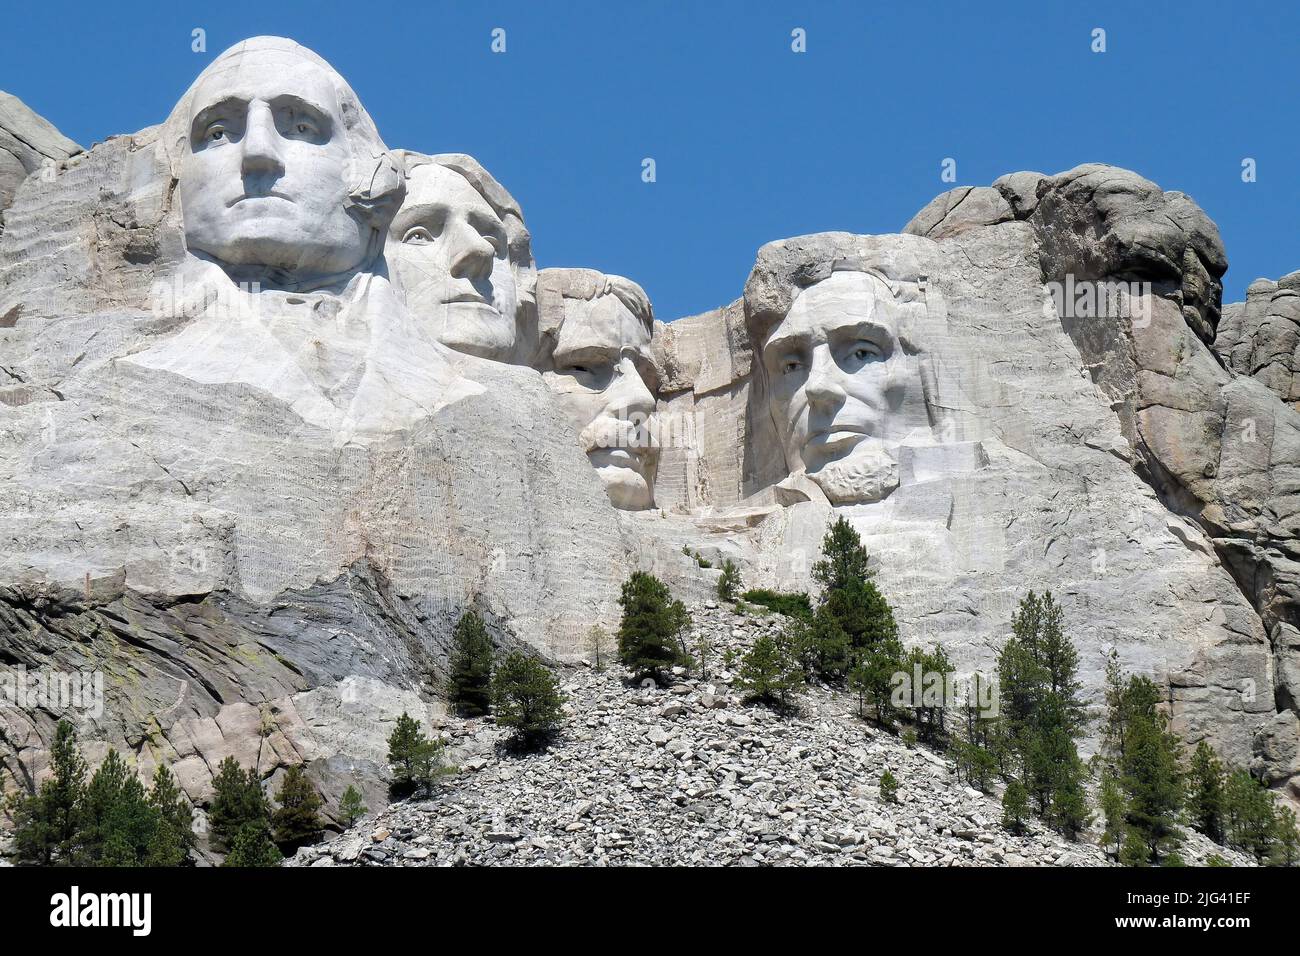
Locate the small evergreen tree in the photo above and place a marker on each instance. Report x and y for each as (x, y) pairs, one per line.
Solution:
(297, 819)
(1135, 851)
(1015, 807)
(872, 676)
(1205, 795)
(415, 760)
(527, 699)
(649, 635)
(929, 698)
(469, 682)
(351, 806)
(252, 846)
(597, 644)
(1286, 838)
(770, 672)
(1113, 809)
(888, 787)
(729, 583)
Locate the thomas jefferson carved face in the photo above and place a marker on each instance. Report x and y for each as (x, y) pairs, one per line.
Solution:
(838, 377)
(264, 182)
(450, 252)
(605, 377)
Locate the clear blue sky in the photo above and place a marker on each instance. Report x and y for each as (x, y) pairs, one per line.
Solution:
(752, 142)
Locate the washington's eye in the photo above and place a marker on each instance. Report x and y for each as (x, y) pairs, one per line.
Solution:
(417, 236)
(215, 133)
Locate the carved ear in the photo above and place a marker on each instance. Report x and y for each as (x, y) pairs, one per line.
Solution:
(377, 186)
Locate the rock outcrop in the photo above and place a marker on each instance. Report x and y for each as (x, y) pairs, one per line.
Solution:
(28, 144)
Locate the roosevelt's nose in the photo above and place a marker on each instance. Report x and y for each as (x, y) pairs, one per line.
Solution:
(823, 385)
(469, 254)
(261, 143)
(628, 395)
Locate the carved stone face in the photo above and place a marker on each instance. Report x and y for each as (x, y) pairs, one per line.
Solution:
(265, 178)
(838, 378)
(450, 254)
(605, 377)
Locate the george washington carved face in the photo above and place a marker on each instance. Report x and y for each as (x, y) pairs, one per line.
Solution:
(279, 166)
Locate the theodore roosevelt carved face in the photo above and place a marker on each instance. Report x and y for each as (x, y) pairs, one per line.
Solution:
(602, 370)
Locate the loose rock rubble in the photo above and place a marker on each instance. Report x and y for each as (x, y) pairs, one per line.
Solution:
(689, 775)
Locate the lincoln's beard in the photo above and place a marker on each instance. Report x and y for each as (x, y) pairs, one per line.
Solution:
(868, 473)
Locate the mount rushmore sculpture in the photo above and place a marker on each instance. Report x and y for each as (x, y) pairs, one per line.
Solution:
(278, 403)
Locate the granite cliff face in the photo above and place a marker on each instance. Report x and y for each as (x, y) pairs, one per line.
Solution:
(254, 485)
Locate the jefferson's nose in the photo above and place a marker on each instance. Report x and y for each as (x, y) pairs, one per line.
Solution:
(823, 385)
(469, 255)
(261, 143)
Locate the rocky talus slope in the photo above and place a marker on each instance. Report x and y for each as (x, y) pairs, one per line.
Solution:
(688, 775)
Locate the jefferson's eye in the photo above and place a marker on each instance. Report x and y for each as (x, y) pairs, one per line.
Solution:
(417, 236)
(305, 128)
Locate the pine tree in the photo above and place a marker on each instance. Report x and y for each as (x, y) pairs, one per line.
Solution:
(1205, 792)
(649, 636)
(1150, 773)
(597, 643)
(1113, 809)
(414, 759)
(729, 584)
(469, 683)
(1042, 714)
(888, 787)
(119, 821)
(174, 822)
(1015, 807)
(527, 699)
(872, 677)
(930, 698)
(1250, 814)
(48, 826)
(251, 846)
(1134, 851)
(1286, 839)
(351, 806)
(239, 803)
(770, 672)
(297, 819)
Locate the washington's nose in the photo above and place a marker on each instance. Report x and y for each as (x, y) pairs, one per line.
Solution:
(469, 255)
(823, 385)
(261, 143)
